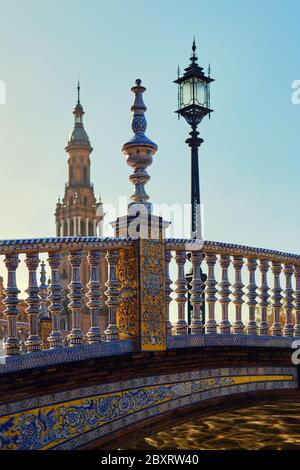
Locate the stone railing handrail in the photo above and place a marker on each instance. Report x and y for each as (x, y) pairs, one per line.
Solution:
(89, 243)
(231, 249)
(62, 244)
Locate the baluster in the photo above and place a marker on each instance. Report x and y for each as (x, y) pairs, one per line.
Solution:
(94, 296)
(11, 302)
(168, 291)
(264, 297)
(5, 333)
(238, 293)
(210, 292)
(22, 341)
(196, 293)
(181, 327)
(276, 297)
(251, 294)
(43, 311)
(288, 329)
(112, 294)
(297, 301)
(33, 342)
(224, 294)
(75, 295)
(56, 339)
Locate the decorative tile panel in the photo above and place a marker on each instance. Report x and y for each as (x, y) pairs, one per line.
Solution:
(69, 419)
(127, 312)
(152, 295)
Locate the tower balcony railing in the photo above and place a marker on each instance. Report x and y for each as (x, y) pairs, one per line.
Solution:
(250, 296)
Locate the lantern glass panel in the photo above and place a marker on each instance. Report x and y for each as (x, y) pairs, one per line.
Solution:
(186, 93)
(193, 91)
(201, 93)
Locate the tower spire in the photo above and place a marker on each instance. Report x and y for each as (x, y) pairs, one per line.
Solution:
(78, 92)
(78, 110)
(78, 135)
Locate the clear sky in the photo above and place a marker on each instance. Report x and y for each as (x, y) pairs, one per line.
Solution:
(249, 162)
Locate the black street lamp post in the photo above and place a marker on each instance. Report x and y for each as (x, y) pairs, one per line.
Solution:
(194, 105)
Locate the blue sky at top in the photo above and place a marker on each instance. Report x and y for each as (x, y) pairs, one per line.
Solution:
(250, 160)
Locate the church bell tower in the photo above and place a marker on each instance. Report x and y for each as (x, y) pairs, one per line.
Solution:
(79, 214)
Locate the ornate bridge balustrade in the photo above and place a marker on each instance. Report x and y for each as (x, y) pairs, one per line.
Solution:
(262, 297)
(91, 390)
(248, 292)
(95, 250)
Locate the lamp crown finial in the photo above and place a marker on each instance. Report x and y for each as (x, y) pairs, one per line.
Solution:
(194, 45)
(194, 57)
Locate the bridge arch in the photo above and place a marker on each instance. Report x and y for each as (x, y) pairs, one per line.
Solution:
(127, 437)
(99, 403)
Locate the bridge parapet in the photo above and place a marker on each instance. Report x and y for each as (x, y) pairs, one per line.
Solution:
(234, 310)
(75, 249)
(253, 313)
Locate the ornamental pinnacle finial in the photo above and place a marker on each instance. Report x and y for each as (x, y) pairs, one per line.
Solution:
(139, 150)
(78, 110)
(78, 91)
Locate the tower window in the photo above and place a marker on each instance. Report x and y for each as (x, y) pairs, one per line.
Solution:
(84, 173)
